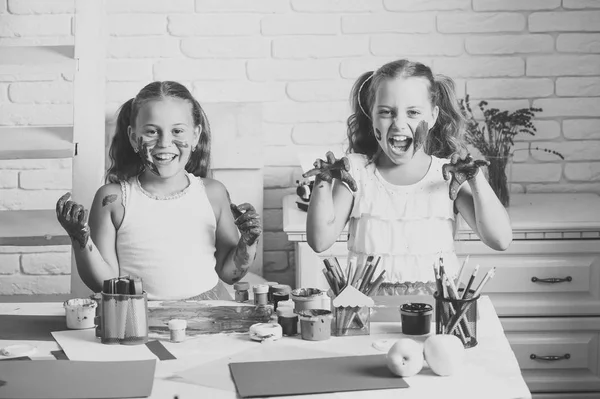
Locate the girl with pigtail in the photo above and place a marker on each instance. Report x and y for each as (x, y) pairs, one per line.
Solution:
(401, 184)
(159, 217)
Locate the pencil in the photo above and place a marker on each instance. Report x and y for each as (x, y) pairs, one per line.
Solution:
(490, 274)
(376, 284)
(470, 283)
(454, 295)
(350, 271)
(369, 275)
(339, 271)
(461, 270)
(360, 269)
(329, 278)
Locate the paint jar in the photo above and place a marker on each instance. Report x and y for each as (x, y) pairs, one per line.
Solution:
(310, 298)
(241, 292)
(177, 329)
(351, 320)
(315, 324)
(261, 292)
(281, 292)
(416, 318)
(97, 297)
(80, 313)
(271, 291)
(288, 320)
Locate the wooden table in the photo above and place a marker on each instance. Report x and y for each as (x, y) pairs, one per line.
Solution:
(491, 371)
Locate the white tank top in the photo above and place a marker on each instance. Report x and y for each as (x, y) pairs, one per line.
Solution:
(170, 242)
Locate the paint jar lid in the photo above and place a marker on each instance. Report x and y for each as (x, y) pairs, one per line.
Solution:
(282, 289)
(242, 286)
(315, 314)
(416, 309)
(270, 283)
(177, 324)
(286, 312)
(261, 289)
(286, 304)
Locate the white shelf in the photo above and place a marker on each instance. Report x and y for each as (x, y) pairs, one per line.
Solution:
(31, 228)
(36, 142)
(17, 60)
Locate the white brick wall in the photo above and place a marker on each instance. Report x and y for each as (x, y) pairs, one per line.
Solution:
(299, 58)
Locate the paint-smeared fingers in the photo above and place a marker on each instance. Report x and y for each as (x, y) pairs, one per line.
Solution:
(346, 162)
(312, 172)
(250, 224)
(330, 157)
(60, 204)
(325, 177)
(446, 170)
(454, 158)
(247, 216)
(67, 210)
(481, 162)
(235, 211)
(246, 207)
(75, 211)
(349, 180)
(83, 217)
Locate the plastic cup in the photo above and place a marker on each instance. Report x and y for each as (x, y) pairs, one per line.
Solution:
(80, 313)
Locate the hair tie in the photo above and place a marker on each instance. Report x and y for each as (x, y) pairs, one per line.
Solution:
(359, 90)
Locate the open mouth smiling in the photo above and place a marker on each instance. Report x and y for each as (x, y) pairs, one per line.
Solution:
(164, 158)
(400, 142)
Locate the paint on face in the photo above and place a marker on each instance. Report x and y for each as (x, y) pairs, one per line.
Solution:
(166, 128)
(419, 136)
(145, 151)
(109, 199)
(400, 104)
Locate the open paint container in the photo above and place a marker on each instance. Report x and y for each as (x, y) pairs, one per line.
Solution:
(310, 298)
(416, 318)
(80, 313)
(315, 324)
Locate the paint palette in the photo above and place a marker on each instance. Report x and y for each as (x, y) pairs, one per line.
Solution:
(205, 319)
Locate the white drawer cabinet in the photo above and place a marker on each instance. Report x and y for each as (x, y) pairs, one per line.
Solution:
(546, 289)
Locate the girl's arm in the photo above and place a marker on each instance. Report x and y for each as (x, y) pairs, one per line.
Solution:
(93, 245)
(330, 202)
(234, 254)
(484, 213)
(328, 213)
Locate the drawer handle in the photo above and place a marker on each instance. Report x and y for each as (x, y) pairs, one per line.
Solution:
(552, 280)
(549, 358)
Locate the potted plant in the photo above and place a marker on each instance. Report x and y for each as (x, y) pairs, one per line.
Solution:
(494, 138)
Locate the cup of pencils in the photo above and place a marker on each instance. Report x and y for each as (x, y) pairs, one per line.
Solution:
(456, 303)
(124, 313)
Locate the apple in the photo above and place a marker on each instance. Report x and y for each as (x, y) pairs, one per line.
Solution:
(444, 353)
(405, 357)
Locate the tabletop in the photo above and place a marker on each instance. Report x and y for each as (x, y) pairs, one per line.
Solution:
(491, 369)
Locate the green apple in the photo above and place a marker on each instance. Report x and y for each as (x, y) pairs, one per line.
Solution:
(444, 353)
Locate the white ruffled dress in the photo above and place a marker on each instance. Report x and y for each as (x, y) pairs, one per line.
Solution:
(409, 226)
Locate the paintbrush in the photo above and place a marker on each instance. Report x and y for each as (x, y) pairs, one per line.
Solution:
(360, 269)
(376, 284)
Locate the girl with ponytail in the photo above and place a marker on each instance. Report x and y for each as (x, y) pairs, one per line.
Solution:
(401, 184)
(159, 217)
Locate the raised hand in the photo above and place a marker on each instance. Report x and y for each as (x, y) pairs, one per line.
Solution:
(332, 169)
(462, 167)
(247, 221)
(73, 218)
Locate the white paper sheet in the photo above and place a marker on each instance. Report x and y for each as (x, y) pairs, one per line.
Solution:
(83, 345)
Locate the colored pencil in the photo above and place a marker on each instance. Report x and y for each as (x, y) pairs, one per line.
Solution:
(360, 269)
(489, 275)
(376, 284)
(461, 270)
(470, 283)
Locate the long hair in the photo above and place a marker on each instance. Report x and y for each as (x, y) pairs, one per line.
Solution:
(446, 136)
(125, 163)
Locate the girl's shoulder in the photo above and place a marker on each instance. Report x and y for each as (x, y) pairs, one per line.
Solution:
(109, 195)
(215, 190)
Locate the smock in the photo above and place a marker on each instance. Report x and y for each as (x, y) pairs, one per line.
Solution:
(168, 241)
(409, 226)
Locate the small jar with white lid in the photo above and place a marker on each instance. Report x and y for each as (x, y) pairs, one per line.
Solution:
(177, 329)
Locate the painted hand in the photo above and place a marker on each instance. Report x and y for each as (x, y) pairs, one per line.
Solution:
(462, 167)
(247, 221)
(332, 169)
(73, 218)
(145, 151)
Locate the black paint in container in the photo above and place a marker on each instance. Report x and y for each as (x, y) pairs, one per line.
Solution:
(416, 318)
(288, 320)
(281, 292)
